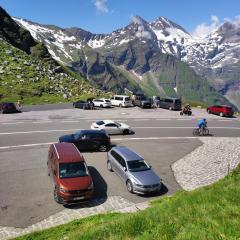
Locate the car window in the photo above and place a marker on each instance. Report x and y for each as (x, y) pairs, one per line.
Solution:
(177, 101)
(137, 166)
(100, 123)
(77, 136)
(111, 125)
(87, 136)
(118, 158)
(108, 101)
(127, 98)
(72, 170)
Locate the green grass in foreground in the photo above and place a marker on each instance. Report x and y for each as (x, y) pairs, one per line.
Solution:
(212, 212)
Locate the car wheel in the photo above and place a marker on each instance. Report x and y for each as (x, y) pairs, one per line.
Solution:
(109, 166)
(120, 105)
(181, 113)
(56, 197)
(101, 106)
(102, 148)
(129, 186)
(221, 114)
(208, 111)
(125, 131)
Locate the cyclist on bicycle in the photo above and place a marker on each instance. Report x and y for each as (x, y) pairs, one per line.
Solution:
(202, 123)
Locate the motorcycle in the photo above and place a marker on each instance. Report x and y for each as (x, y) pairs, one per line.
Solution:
(186, 111)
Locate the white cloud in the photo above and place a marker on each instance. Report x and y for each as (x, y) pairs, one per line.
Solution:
(141, 32)
(101, 6)
(203, 29)
(236, 21)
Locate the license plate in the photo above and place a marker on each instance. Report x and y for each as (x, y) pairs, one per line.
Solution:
(78, 198)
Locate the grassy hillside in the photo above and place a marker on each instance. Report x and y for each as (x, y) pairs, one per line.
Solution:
(35, 80)
(212, 212)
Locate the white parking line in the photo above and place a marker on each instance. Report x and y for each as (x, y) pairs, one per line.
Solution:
(115, 139)
(9, 123)
(42, 122)
(41, 131)
(26, 145)
(78, 129)
(163, 119)
(234, 128)
(184, 119)
(141, 119)
(70, 121)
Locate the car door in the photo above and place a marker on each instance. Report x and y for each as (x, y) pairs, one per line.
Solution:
(93, 141)
(120, 167)
(79, 141)
(112, 128)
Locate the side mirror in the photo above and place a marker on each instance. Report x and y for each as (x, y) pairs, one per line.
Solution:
(125, 169)
(150, 166)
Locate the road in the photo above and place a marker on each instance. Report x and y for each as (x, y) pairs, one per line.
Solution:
(26, 191)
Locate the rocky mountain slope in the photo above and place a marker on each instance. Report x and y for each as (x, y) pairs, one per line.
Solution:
(28, 72)
(141, 55)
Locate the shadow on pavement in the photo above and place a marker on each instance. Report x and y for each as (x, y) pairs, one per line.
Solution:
(163, 191)
(100, 191)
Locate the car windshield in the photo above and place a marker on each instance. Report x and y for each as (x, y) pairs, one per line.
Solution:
(137, 166)
(178, 101)
(127, 99)
(72, 170)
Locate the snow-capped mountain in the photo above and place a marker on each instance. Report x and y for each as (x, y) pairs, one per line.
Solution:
(215, 56)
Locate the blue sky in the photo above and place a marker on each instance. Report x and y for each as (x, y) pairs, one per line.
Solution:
(104, 16)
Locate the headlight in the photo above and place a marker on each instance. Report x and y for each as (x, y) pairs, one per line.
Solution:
(63, 190)
(91, 186)
(139, 185)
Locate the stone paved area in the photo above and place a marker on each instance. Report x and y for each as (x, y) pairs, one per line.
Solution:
(208, 163)
(114, 203)
(205, 165)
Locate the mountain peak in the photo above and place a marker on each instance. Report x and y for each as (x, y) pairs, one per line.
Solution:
(162, 23)
(138, 20)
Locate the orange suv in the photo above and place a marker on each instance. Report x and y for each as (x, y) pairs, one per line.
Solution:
(70, 174)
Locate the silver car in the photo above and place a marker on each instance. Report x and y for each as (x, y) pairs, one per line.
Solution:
(133, 170)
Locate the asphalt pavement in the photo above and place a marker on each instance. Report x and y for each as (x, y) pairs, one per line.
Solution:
(161, 136)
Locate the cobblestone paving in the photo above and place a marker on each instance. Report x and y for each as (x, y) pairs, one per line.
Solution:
(113, 203)
(208, 163)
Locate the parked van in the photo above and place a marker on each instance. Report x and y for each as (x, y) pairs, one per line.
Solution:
(121, 101)
(171, 103)
(69, 172)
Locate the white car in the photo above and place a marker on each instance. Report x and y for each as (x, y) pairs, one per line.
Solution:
(121, 101)
(102, 103)
(112, 127)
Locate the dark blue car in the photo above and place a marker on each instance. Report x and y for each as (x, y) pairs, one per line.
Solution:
(92, 140)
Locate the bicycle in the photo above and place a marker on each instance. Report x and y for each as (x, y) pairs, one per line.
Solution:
(200, 131)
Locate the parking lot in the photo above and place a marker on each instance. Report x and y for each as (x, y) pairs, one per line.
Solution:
(161, 137)
(26, 190)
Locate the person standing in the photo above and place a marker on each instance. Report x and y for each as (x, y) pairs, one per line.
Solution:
(19, 106)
